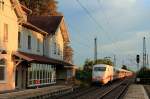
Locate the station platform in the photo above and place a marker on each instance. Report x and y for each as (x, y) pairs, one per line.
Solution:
(38, 92)
(136, 91)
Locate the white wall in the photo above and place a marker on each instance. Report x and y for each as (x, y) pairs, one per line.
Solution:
(24, 32)
(58, 39)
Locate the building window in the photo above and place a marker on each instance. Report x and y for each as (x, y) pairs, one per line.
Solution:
(19, 40)
(58, 49)
(41, 74)
(29, 42)
(5, 32)
(38, 45)
(1, 5)
(2, 70)
(55, 48)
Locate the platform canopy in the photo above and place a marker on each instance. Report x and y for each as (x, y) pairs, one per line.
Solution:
(32, 58)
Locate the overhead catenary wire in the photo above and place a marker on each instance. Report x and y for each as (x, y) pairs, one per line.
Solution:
(105, 15)
(81, 44)
(89, 14)
(94, 20)
(76, 30)
(77, 39)
(107, 18)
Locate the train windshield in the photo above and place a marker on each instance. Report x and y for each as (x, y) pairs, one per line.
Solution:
(100, 69)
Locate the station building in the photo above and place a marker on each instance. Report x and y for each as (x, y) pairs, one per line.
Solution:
(34, 51)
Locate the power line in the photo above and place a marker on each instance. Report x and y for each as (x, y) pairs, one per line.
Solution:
(78, 31)
(106, 17)
(81, 43)
(89, 14)
(94, 20)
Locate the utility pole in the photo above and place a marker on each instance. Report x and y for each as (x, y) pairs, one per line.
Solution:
(114, 60)
(95, 50)
(147, 63)
(144, 52)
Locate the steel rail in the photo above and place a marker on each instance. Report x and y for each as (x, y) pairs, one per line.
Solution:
(96, 93)
(76, 94)
(114, 88)
(122, 92)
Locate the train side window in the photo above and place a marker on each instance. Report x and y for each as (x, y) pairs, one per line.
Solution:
(100, 69)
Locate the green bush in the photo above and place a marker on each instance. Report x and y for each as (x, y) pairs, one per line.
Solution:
(143, 73)
(84, 76)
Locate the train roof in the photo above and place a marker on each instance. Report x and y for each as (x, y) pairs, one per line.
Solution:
(120, 69)
(101, 65)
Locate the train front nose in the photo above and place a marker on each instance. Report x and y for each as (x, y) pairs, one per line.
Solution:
(100, 80)
(97, 79)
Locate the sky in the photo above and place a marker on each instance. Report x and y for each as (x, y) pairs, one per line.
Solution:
(119, 26)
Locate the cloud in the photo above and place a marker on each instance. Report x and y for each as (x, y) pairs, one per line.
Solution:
(129, 46)
(126, 21)
(126, 46)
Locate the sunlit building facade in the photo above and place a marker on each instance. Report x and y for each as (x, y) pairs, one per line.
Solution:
(31, 56)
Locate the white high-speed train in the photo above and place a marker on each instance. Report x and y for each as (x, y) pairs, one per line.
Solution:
(103, 73)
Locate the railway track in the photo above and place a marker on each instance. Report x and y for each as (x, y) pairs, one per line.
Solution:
(99, 94)
(109, 91)
(76, 93)
(116, 92)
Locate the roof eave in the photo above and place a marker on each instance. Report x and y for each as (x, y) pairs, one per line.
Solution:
(36, 28)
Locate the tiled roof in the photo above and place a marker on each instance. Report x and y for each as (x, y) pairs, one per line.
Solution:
(46, 23)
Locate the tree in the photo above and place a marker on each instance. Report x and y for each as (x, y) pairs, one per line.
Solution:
(124, 67)
(48, 7)
(104, 61)
(41, 7)
(144, 72)
(88, 64)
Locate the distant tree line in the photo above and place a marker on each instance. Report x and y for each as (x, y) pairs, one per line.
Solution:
(88, 64)
(41, 7)
(144, 72)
